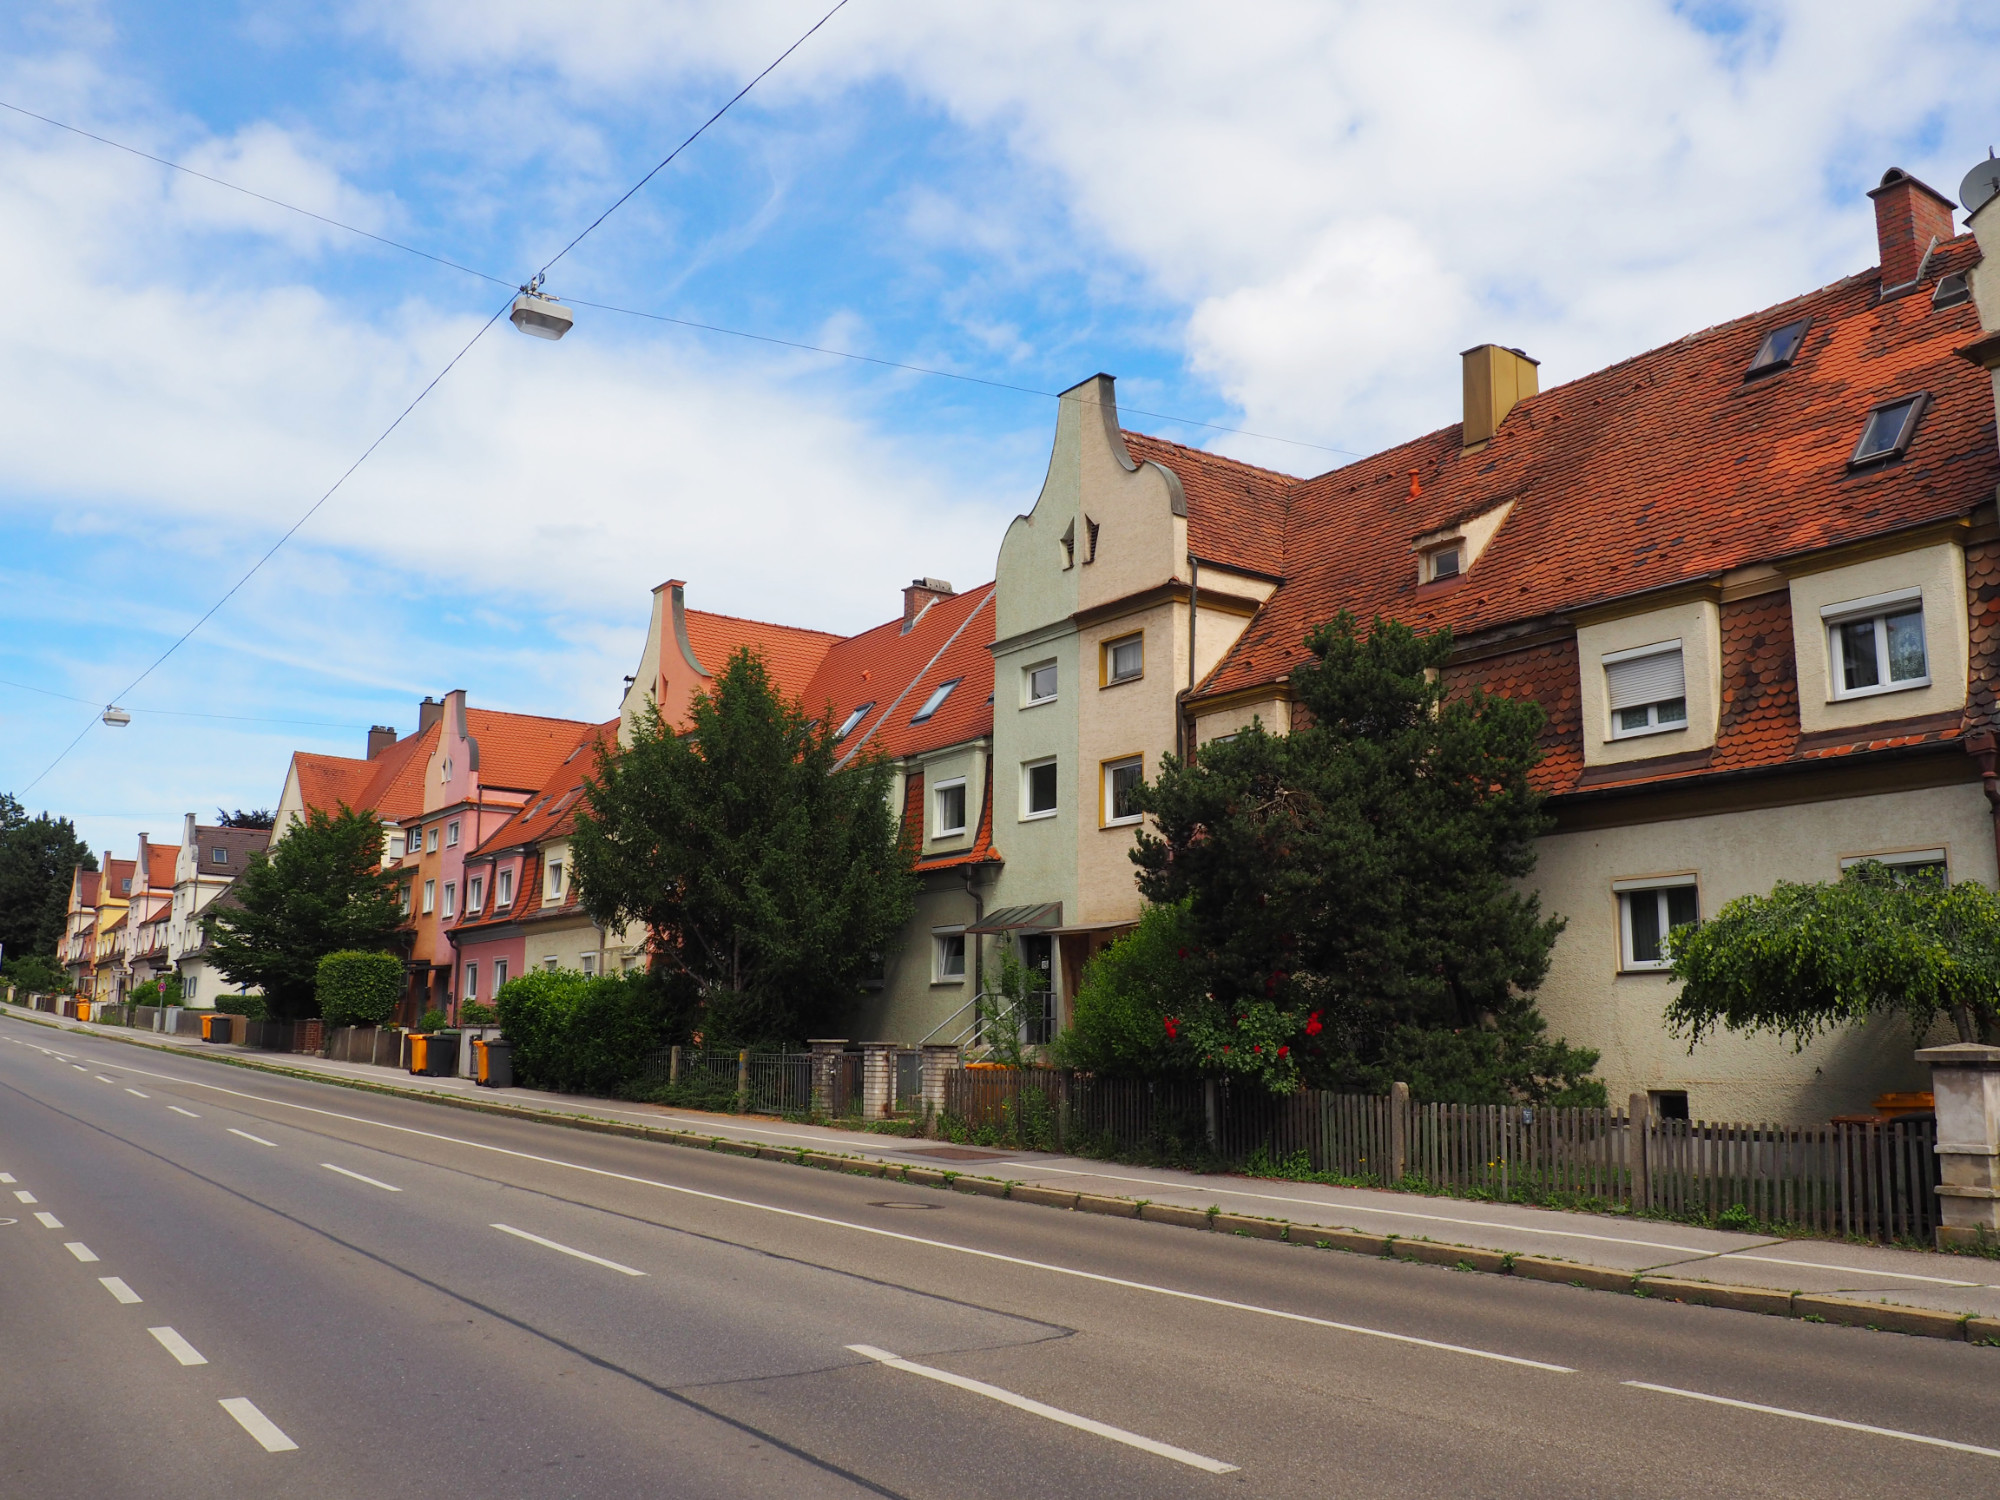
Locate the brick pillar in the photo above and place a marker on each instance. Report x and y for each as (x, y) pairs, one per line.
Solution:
(878, 1079)
(1965, 1081)
(825, 1058)
(939, 1058)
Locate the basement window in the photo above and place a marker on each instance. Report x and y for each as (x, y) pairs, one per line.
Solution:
(853, 720)
(1779, 349)
(936, 700)
(1888, 430)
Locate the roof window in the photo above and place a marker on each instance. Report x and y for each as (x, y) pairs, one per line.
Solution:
(1779, 349)
(853, 720)
(936, 700)
(1888, 430)
(1951, 290)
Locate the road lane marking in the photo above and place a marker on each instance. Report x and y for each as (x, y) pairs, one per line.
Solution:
(1861, 1271)
(6, 1176)
(26, 1197)
(179, 1111)
(1807, 1416)
(81, 1251)
(177, 1346)
(259, 1426)
(1053, 1413)
(116, 1286)
(137, 1095)
(80, 1067)
(869, 1229)
(597, 1260)
(49, 1221)
(249, 1137)
(102, 1079)
(385, 1187)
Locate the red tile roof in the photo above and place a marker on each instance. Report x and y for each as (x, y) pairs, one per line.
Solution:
(518, 752)
(551, 808)
(897, 671)
(86, 892)
(1236, 511)
(980, 853)
(791, 653)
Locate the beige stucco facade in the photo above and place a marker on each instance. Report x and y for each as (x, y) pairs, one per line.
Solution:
(1695, 627)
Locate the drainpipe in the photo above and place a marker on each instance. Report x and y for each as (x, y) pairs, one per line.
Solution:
(1182, 734)
(1984, 748)
(978, 942)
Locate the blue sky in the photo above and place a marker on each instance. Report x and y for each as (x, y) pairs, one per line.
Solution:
(1281, 217)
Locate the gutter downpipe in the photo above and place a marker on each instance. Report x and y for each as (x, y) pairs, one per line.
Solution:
(1182, 733)
(978, 939)
(1982, 745)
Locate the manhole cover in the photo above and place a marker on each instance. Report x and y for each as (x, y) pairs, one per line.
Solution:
(905, 1205)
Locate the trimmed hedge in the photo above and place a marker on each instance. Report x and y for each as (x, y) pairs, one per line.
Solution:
(580, 1034)
(358, 989)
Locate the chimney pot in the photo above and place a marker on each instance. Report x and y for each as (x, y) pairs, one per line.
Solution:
(1495, 379)
(1908, 215)
(380, 738)
(920, 593)
(428, 713)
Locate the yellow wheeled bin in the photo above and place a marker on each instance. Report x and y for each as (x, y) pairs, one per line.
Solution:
(420, 1047)
(215, 1027)
(83, 1010)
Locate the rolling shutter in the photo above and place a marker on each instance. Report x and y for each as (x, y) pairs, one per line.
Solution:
(1646, 679)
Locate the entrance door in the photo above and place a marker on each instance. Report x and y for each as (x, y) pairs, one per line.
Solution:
(1038, 1024)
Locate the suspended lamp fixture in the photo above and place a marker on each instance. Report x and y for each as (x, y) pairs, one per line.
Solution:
(540, 315)
(116, 717)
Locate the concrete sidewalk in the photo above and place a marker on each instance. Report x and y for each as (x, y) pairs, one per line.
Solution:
(1958, 1284)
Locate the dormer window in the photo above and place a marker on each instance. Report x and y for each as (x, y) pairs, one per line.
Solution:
(1888, 430)
(936, 700)
(219, 856)
(1779, 349)
(853, 721)
(1441, 563)
(1647, 689)
(1951, 290)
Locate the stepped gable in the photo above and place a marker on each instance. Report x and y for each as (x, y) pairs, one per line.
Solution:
(1665, 468)
(896, 670)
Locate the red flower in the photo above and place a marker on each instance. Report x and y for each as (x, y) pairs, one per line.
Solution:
(1284, 1051)
(1258, 1048)
(1173, 1029)
(1313, 1024)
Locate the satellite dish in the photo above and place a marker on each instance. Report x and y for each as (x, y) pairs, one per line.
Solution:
(1981, 183)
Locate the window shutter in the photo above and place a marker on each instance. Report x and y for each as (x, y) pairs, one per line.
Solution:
(1646, 679)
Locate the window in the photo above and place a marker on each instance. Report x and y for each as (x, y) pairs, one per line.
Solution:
(549, 962)
(554, 888)
(1124, 660)
(853, 721)
(499, 974)
(1442, 563)
(451, 898)
(475, 894)
(1780, 348)
(949, 801)
(451, 834)
(1888, 430)
(936, 700)
(1041, 683)
(1646, 914)
(431, 841)
(1906, 864)
(218, 856)
(1038, 789)
(471, 989)
(1647, 689)
(1876, 645)
(430, 896)
(588, 963)
(1951, 290)
(189, 986)
(1121, 782)
(1669, 1104)
(125, 885)
(403, 902)
(947, 958)
(503, 889)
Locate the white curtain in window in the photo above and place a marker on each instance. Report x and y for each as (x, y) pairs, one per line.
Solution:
(1646, 679)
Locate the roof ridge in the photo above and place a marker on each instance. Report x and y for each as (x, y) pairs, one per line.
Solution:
(1224, 458)
(714, 614)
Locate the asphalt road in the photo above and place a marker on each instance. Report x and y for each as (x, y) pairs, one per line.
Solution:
(220, 1283)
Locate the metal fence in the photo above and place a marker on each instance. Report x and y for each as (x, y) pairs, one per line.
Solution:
(1869, 1180)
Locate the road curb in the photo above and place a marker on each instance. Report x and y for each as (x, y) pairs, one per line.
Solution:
(1885, 1317)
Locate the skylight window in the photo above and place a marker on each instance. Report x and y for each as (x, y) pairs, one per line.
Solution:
(853, 720)
(1888, 430)
(1951, 290)
(1780, 347)
(936, 700)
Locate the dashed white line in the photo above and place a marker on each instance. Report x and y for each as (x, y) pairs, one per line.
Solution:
(249, 1137)
(1814, 1417)
(259, 1426)
(81, 1251)
(80, 1067)
(177, 1346)
(49, 1221)
(1053, 1413)
(597, 1260)
(385, 1187)
(137, 1095)
(102, 1079)
(116, 1286)
(179, 1111)
(26, 1197)
(6, 1176)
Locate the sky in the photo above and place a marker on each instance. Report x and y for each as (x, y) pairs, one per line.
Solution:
(1276, 223)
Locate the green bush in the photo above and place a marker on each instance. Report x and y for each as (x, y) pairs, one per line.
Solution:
(580, 1034)
(1133, 993)
(32, 973)
(166, 990)
(472, 1013)
(431, 1020)
(358, 989)
(250, 1007)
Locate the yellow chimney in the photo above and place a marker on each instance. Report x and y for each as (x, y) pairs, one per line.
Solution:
(1495, 378)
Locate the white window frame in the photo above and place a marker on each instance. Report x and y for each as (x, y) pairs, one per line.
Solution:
(451, 834)
(1028, 674)
(431, 839)
(471, 989)
(1106, 816)
(403, 904)
(430, 897)
(499, 974)
(503, 890)
(1656, 886)
(938, 828)
(450, 899)
(552, 880)
(940, 941)
(1108, 657)
(219, 855)
(1028, 768)
(1876, 608)
(1897, 859)
(587, 964)
(1455, 550)
(475, 894)
(1654, 724)
(549, 963)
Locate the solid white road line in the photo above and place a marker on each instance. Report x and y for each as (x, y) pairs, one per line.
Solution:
(1864, 1272)
(1806, 1416)
(177, 1346)
(385, 1187)
(869, 1229)
(1053, 1413)
(26, 1197)
(81, 1251)
(137, 1095)
(49, 1221)
(116, 1286)
(596, 1260)
(249, 1137)
(259, 1426)
(179, 1111)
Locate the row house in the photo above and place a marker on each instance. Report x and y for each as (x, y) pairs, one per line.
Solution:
(139, 949)
(205, 866)
(90, 939)
(74, 946)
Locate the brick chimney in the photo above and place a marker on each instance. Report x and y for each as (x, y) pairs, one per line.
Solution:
(428, 713)
(921, 593)
(1495, 378)
(1908, 215)
(380, 738)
